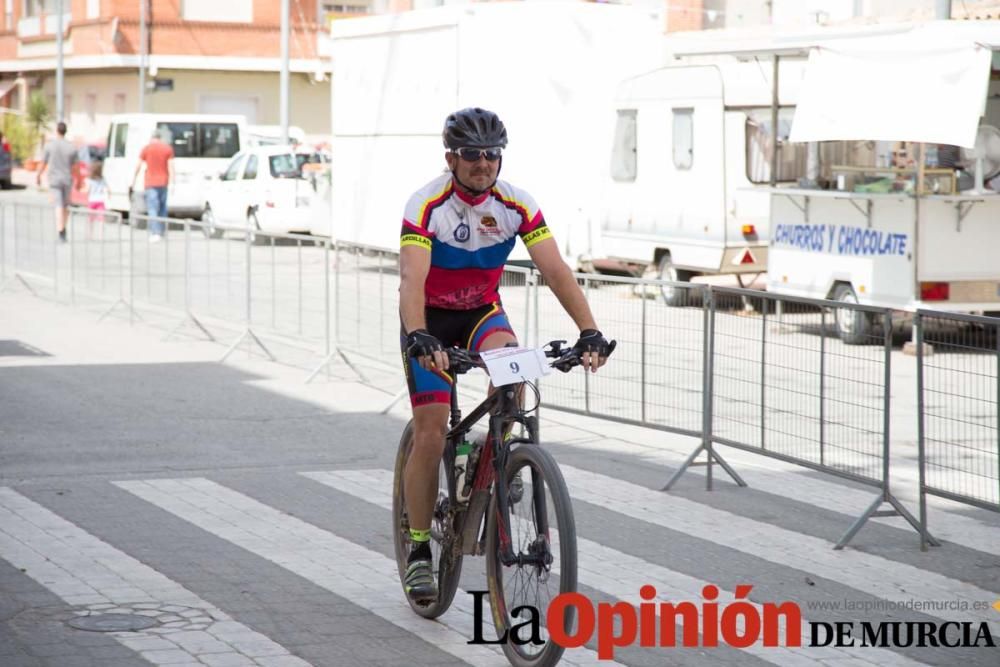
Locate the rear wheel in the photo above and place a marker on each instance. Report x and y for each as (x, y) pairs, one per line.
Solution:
(853, 326)
(675, 297)
(447, 562)
(209, 224)
(542, 529)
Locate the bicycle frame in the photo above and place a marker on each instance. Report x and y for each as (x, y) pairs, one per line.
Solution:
(503, 406)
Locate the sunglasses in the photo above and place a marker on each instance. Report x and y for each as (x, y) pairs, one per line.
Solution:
(473, 154)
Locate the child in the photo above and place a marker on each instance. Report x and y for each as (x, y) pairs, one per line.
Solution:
(97, 192)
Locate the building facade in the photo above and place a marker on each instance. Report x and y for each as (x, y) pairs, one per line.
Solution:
(217, 56)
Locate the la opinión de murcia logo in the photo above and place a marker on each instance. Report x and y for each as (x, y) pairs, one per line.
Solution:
(708, 624)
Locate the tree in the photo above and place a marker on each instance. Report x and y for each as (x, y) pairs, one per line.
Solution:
(20, 136)
(39, 115)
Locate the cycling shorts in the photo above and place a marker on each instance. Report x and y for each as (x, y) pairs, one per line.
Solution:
(464, 328)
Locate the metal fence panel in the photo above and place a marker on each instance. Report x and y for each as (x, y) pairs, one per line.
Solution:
(786, 386)
(31, 247)
(958, 407)
(656, 377)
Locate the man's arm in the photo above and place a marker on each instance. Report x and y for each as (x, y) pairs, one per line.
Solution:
(559, 278)
(414, 265)
(170, 170)
(45, 165)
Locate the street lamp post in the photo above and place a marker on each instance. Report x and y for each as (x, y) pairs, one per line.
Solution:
(142, 55)
(284, 71)
(60, 92)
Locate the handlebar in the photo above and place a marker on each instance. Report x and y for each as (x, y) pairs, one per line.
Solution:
(565, 358)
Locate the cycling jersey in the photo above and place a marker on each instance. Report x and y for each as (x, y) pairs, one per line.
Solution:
(469, 238)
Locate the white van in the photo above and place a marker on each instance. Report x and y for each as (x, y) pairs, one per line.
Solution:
(203, 145)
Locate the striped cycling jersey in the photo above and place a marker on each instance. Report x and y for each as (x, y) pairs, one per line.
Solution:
(469, 238)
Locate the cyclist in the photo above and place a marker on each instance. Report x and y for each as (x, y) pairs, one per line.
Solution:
(457, 233)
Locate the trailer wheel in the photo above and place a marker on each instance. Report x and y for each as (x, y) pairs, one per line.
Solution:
(853, 326)
(675, 297)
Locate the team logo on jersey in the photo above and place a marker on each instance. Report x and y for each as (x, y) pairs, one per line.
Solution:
(462, 233)
(488, 225)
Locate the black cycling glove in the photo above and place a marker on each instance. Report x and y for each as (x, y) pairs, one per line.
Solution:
(592, 340)
(420, 343)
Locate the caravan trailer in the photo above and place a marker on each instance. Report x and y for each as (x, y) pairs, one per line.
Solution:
(689, 170)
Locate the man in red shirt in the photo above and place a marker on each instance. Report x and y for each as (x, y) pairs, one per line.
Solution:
(158, 157)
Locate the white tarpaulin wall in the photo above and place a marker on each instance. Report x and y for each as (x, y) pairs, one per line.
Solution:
(894, 90)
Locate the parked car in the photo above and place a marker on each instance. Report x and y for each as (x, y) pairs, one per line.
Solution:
(6, 164)
(262, 187)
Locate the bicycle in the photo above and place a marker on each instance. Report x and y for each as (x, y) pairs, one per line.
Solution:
(523, 552)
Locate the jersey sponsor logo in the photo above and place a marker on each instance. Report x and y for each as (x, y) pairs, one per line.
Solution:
(488, 225)
(540, 234)
(414, 239)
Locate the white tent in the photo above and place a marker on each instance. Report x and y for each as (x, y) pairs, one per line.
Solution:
(907, 87)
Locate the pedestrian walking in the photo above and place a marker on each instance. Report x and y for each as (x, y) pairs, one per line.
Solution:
(158, 157)
(97, 194)
(58, 160)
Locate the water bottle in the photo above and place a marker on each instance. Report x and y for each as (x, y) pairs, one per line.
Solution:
(462, 470)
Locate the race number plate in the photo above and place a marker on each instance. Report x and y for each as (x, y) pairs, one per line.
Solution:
(508, 365)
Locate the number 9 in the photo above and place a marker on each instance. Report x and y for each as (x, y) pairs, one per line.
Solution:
(514, 368)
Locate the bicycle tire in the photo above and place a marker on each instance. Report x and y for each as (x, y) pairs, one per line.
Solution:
(449, 565)
(544, 468)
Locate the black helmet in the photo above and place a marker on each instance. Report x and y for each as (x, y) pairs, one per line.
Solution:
(474, 128)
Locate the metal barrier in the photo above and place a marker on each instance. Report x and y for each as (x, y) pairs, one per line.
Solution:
(958, 411)
(735, 368)
(657, 376)
(785, 386)
(29, 246)
(96, 250)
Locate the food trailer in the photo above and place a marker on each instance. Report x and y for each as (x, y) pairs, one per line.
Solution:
(899, 229)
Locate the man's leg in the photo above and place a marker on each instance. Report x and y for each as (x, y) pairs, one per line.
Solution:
(61, 213)
(420, 479)
(420, 489)
(60, 196)
(163, 208)
(152, 211)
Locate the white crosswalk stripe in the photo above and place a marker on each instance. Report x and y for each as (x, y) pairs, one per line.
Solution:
(873, 574)
(794, 482)
(330, 561)
(622, 575)
(99, 579)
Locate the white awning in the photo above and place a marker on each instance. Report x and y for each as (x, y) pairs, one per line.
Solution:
(894, 89)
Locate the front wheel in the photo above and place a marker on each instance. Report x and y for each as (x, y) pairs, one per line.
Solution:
(542, 532)
(443, 534)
